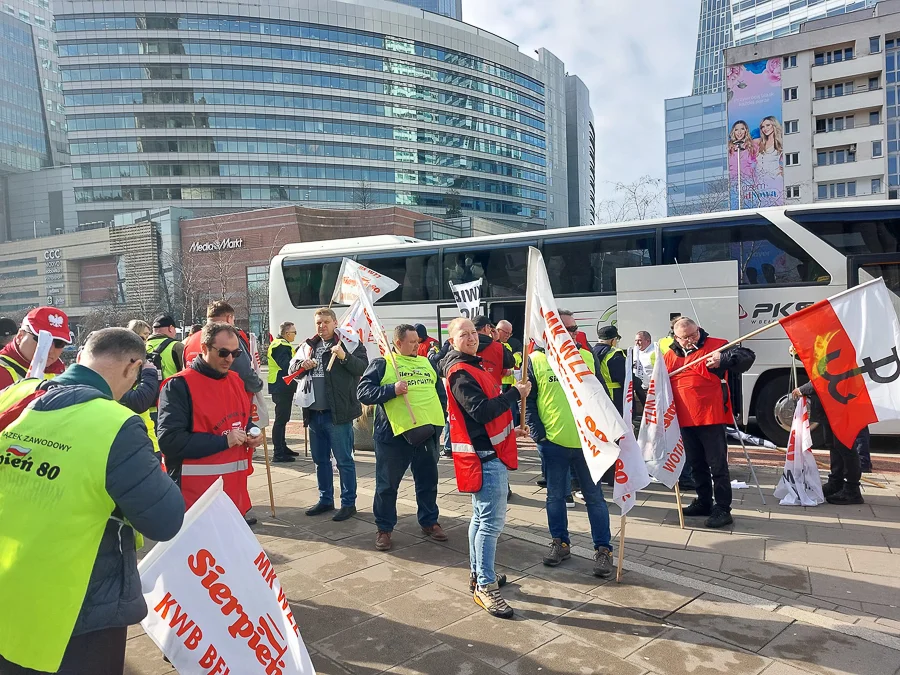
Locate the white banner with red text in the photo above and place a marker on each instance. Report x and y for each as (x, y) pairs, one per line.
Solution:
(599, 423)
(214, 600)
(631, 472)
(800, 484)
(660, 435)
(354, 276)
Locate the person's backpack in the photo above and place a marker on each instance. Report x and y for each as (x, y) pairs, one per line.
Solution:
(155, 357)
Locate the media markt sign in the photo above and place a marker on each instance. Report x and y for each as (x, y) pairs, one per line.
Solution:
(226, 244)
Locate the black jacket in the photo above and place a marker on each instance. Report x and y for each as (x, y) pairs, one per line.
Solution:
(144, 395)
(616, 366)
(477, 408)
(371, 392)
(282, 355)
(340, 384)
(175, 425)
(143, 495)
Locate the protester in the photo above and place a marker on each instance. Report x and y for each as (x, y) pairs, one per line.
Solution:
(204, 417)
(141, 398)
(195, 328)
(426, 344)
(69, 585)
(484, 445)
(400, 442)
(15, 357)
(842, 487)
(610, 362)
(279, 356)
(504, 337)
(8, 330)
(703, 406)
(329, 418)
(552, 424)
(645, 354)
(495, 359)
(665, 344)
(164, 348)
(435, 358)
(222, 312)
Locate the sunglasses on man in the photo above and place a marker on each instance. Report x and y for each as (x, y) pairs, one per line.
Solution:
(225, 353)
(57, 343)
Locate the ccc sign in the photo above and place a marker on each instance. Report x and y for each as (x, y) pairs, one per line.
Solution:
(53, 254)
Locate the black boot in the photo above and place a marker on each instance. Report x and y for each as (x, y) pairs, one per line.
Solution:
(832, 487)
(697, 508)
(848, 495)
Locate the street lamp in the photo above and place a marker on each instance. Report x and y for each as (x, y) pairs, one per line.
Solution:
(34, 225)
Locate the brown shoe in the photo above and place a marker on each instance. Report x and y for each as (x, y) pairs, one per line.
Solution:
(435, 532)
(383, 541)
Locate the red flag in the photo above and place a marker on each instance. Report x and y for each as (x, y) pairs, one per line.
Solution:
(848, 345)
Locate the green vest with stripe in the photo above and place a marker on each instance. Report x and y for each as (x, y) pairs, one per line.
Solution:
(16, 371)
(604, 370)
(552, 404)
(53, 503)
(511, 378)
(274, 368)
(169, 367)
(417, 372)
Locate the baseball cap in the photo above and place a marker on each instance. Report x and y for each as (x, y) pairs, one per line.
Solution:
(608, 333)
(164, 321)
(50, 319)
(8, 327)
(482, 321)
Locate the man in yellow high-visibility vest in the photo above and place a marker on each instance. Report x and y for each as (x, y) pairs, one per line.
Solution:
(281, 351)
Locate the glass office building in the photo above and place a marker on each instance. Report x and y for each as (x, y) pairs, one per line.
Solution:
(451, 8)
(280, 103)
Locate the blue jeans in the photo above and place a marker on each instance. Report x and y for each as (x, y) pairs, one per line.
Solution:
(488, 519)
(392, 459)
(558, 462)
(447, 435)
(326, 439)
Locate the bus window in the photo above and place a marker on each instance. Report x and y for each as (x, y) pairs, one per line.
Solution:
(417, 275)
(311, 284)
(504, 270)
(765, 255)
(855, 233)
(588, 264)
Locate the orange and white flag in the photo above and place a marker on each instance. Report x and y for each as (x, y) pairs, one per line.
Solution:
(848, 345)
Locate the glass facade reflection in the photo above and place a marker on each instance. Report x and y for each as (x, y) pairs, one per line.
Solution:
(235, 108)
(451, 8)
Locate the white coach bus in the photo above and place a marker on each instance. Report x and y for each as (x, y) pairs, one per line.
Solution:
(787, 258)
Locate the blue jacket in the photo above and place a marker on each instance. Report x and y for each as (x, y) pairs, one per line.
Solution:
(144, 495)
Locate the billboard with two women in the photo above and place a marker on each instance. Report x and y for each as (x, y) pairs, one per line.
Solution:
(755, 153)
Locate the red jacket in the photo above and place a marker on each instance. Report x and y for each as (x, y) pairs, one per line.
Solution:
(12, 358)
(492, 360)
(500, 430)
(217, 407)
(699, 395)
(426, 345)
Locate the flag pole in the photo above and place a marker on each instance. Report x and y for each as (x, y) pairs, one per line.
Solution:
(621, 550)
(678, 505)
(412, 415)
(268, 471)
(525, 339)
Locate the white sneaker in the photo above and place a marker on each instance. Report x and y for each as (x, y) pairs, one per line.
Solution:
(580, 495)
(570, 502)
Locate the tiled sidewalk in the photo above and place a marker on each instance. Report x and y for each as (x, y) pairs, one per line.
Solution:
(784, 591)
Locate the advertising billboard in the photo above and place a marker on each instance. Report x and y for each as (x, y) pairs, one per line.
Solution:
(755, 151)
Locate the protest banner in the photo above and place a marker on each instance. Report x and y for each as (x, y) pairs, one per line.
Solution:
(468, 297)
(599, 424)
(215, 603)
(800, 484)
(353, 276)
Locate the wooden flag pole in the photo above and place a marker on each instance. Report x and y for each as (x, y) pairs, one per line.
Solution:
(621, 550)
(268, 471)
(529, 294)
(412, 415)
(731, 344)
(331, 362)
(678, 505)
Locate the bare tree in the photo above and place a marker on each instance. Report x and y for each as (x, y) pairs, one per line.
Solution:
(638, 200)
(363, 196)
(452, 203)
(715, 197)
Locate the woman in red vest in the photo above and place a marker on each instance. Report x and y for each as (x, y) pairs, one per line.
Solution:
(484, 448)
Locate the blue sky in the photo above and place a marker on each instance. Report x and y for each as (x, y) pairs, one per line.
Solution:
(631, 54)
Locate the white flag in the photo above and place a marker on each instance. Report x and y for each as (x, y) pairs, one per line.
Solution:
(214, 600)
(660, 435)
(800, 484)
(260, 410)
(599, 423)
(631, 472)
(468, 297)
(354, 276)
(371, 320)
(352, 328)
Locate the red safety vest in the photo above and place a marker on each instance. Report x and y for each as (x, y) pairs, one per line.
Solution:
(492, 361)
(500, 430)
(425, 346)
(192, 350)
(217, 407)
(699, 400)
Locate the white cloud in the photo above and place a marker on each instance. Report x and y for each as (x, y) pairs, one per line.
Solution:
(632, 55)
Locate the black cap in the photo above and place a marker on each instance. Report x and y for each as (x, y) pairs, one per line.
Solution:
(481, 321)
(608, 333)
(164, 321)
(421, 331)
(8, 327)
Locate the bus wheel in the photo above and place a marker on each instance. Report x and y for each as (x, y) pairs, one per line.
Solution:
(768, 396)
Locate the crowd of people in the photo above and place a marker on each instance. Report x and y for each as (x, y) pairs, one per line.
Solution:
(121, 443)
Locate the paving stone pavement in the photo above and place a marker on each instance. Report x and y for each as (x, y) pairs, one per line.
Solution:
(784, 591)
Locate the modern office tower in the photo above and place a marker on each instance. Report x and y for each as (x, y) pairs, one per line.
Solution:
(326, 105)
(451, 8)
(581, 152)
